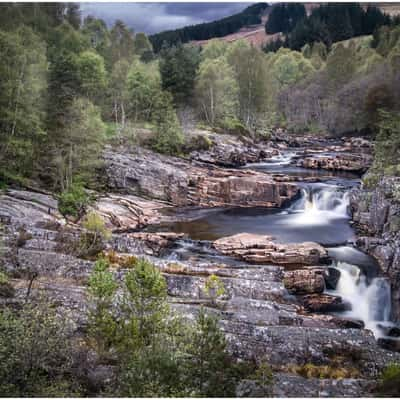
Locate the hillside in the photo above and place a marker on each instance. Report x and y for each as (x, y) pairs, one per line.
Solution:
(254, 33)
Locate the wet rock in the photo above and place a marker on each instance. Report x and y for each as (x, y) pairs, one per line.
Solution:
(332, 278)
(376, 213)
(256, 248)
(324, 303)
(392, 344)
(182, 183)
(304, 281)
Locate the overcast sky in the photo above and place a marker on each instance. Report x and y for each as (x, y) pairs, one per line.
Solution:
(156, 17)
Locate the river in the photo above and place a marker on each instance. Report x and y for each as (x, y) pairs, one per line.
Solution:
(319, 214)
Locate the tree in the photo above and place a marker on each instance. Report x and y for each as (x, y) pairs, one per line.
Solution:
(97, 33)
(118, 91)
(248, 64)
(178, 67)
(35, 353)
(92, 74)
(23, 84)
(76, 154)
(169, 138)
(217, 91)
(211, 370)
(214, 49)
(144, 85)
(122, 46)
(143, 47)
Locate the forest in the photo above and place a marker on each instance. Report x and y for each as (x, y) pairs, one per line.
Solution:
(69, 87)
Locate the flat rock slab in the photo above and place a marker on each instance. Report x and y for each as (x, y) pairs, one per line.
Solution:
(254, 248)
(125, 212)
(184, 183)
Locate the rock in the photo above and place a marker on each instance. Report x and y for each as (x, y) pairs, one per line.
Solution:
(338, 162)
(304, 281)
(182, 183)
(392, 344)
(324, 303)
(230, 151)
(23, 208)
(122, 213)
(260, 249)
(6, 290)
(332, 278)
(376, 214)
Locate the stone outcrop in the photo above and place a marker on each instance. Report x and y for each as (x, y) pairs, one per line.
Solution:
(263, 249)
(376, 214)
(230, 151)
(304, 281)
(338, 162)
(324, 303)
(124, 213)
(182, 183)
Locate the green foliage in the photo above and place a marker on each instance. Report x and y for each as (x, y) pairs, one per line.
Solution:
(178, 67)
(389, 384)
(210, 368)
(264, 378)
(284, 17)
(73, 201)
(214, 287)
(92, 240)
(169, 138)
(92, 73)
(155, 353)
(387, 147)
(217, 91)
(35, 354)
(143, 88)
(23, 84)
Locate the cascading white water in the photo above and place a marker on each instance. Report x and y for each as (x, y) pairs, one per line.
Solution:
(369, 303)
(320, 206)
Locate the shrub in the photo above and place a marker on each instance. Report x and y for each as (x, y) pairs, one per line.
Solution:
(214, 287)
(389, 381)
(92, 240)
(73, 201)
(198, 143)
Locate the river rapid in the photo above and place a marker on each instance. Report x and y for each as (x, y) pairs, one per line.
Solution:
(319, 214)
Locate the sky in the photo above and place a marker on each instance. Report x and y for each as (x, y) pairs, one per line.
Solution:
(156, 17)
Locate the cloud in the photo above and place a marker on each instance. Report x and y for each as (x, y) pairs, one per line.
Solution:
(156, 17)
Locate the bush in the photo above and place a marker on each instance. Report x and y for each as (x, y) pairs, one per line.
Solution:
(389, 382)
(92, 240)
(73, 201)
(198, 143)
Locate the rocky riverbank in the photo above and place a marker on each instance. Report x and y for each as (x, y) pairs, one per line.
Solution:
(274, 306)
(376, 213)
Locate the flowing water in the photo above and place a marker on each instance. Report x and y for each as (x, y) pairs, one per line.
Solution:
(320, 214)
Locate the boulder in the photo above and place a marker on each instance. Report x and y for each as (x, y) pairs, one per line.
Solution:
(324, 303)
(303, 281)
(262, 249)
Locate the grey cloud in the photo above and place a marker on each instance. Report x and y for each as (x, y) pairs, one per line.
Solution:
(156, 17)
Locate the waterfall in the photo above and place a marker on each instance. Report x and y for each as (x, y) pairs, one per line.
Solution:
(319, 206)
(369, 303)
